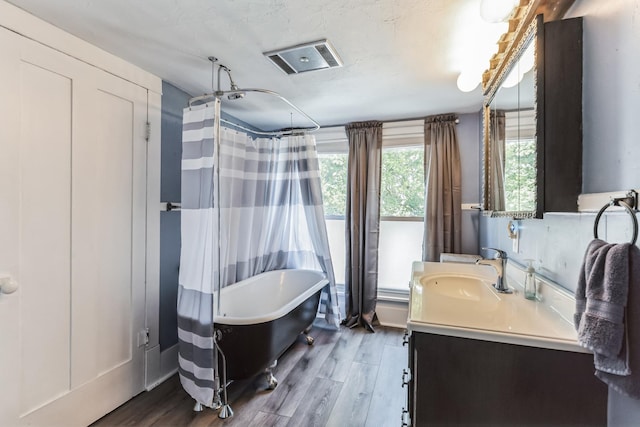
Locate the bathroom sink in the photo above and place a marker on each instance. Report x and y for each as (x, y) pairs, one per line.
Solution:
(465, 288)
(460, 300)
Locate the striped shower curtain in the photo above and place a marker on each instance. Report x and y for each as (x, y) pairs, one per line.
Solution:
(271, 217)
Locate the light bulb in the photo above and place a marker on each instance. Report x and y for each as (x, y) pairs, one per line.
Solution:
(467, 81)
(497, 10)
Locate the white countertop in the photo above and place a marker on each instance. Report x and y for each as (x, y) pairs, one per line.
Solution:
(486, 314)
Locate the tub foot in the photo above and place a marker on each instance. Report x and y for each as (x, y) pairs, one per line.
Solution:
(310, 340)
(198, 407)
(272, 382)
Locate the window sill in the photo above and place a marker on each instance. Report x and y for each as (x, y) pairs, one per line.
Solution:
(384, 294)
(393, 295)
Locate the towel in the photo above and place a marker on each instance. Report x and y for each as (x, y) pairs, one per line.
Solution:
(601, 299)
(630, 384)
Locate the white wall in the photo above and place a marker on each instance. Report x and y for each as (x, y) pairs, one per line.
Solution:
(611, 128)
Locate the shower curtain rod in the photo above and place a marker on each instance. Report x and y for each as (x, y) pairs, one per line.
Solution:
(283, 132)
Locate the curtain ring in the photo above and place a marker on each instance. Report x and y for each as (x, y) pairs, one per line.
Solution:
(629, 211)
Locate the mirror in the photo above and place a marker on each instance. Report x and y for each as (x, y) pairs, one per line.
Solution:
(511, 138)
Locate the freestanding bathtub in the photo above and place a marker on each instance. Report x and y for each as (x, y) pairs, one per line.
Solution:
(261, 317)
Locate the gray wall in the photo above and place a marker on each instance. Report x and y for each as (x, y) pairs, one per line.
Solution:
(469, 131)
(173, 102)
(611, 128)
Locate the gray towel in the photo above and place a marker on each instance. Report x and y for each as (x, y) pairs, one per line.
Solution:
(630, 384)
(601, 298)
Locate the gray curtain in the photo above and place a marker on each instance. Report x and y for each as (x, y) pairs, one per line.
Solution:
(497, 138)
(362, 222)
(442, 187)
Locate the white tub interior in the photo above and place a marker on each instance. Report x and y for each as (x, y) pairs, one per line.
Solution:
(267, 296)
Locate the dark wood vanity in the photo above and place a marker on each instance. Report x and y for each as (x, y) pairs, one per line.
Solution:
(470, 382)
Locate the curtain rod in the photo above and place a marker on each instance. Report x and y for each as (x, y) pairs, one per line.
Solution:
(387, 121)
(241, 92)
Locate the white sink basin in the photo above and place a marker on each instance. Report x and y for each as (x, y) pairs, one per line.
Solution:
(465, 288)
(460, 300)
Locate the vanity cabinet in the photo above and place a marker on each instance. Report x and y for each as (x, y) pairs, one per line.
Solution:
(462, 381)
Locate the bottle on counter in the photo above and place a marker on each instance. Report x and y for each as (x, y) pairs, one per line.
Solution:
(530, 285)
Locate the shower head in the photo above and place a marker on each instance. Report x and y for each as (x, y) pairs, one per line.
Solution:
(236, 93)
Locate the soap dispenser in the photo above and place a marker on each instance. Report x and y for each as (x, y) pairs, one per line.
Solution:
(530, 288)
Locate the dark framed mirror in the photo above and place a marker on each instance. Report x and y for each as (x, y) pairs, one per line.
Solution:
(513, 143)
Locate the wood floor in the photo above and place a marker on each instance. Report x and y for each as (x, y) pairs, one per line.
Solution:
(348, 378)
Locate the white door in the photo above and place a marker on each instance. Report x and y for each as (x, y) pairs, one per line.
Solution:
(72, 236)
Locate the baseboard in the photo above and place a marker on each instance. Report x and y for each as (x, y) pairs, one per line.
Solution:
(160, 365)
(393, 313)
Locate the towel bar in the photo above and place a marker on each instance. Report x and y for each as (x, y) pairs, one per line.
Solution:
(629, 203)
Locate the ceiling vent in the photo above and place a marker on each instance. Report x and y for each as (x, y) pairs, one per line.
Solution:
(305, 57)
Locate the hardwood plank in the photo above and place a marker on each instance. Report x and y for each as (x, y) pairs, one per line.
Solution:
(263, 419)
(393, 336)
(389, 397)
(180, 414)
(337, 365)
(355, 397)
(144, 410)
(370, 350)
(315, 408)
(285, 399)
(309, 396)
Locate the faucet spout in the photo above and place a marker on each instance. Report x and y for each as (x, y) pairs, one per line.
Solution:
(499, 263)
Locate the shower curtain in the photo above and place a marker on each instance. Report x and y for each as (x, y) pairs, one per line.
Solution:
(271, 217)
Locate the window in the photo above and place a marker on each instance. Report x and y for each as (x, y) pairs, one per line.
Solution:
(520, 159)
(401, 216)
(401, 202)
(333, 174)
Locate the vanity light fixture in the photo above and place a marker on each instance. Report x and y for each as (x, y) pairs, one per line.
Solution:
(497, 10)
(468, 81)
(487, 23)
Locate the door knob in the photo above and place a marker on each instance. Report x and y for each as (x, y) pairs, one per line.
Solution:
(7, 284)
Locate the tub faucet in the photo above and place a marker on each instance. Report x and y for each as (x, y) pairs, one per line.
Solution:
(499, 263)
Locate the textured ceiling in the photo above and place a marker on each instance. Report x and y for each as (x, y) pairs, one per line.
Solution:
(401, 57)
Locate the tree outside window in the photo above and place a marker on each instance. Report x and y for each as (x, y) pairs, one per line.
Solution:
(402, 182)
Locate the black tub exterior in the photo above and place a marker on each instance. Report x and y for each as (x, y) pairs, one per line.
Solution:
(250, 349)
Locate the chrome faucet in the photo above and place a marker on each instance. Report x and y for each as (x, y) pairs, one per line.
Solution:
(499, 263)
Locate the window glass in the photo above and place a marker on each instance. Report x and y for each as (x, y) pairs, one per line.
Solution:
(520, 174)
(333, 174)
(402, 182)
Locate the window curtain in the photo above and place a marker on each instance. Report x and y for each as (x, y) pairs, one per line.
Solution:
(362, 223)
(442, 187)
(271, 217)
(497, 140)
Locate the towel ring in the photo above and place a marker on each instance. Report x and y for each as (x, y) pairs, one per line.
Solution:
(617, 202)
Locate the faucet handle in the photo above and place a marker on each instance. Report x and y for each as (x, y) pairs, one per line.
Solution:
(500, 254)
